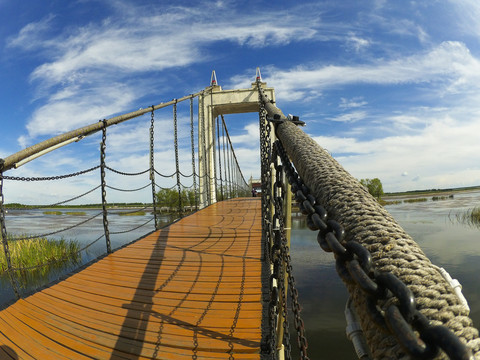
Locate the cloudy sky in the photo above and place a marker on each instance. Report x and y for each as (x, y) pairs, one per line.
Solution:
(390, 88)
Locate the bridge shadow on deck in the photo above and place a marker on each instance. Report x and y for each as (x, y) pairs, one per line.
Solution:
(135, 338)
(133, 322)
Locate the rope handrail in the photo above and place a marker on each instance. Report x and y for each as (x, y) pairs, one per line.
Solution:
(10, 161)
(323, 187)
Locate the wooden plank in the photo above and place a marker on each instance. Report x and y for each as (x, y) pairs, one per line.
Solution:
(172, 295)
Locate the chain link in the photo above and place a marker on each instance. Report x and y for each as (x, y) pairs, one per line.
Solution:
(49, 178)
(4, 238)
(177, 165)
(132, 229)
(192, 142)
(271, 341)
(203, 145)
(219, 159)
(354, 265)
(128, 190)
(152, 166)
(126, 173)
(280, 199)
(104, 192)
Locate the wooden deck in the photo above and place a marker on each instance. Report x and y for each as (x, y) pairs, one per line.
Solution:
(189, 291)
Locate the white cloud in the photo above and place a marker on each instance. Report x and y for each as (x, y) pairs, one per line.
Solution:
(251, 138)
(468, 13)
(450, 65)
(350, 117)
(64, 113)
(352, 103)
(357, 43)
(89, 74)
(445, 143)
(31, 35)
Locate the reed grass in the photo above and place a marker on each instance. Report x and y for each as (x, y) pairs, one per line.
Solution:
(389, 202)
(469, 217)
(27, 254)
(415, 200)
(76, 213)
(137, 213)
(52, 213)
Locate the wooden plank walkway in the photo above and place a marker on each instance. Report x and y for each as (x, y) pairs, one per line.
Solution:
(189, 291)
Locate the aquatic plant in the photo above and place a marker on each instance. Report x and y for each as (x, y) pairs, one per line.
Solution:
(415, 200)
(76, 213)
(52, 212)
(136, 213)
(389, 202)
(437, 198)
(35, 258)
(468, 217)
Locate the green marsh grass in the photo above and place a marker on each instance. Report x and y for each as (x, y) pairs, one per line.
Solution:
(34, 259)
(415, 200)
(136, 213)
(76, 213)
(52, 213)
(469, 217)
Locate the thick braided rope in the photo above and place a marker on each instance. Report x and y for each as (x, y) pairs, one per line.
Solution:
(392, 249)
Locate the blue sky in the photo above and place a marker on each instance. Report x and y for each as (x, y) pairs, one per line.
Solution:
(390, 88)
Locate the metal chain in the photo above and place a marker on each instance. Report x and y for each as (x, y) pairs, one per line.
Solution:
(192, 141)
(129, 190)
(104, 192)
(280, 261)
(126, 173)
(205, 177)
(354, 265)
(219, 159)
(132, 229)
(214, 151)
(48, 178)
(152, 166)
(267, 230)
(27, 207)
(225, 162)
(3, 234)
(41, 236)
(177, 165)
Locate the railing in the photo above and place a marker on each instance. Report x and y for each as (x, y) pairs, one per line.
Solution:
(384, 270)
(172, 186)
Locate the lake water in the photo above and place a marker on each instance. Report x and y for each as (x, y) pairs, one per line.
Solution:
(452, 246)
(323, 296)
(36, 222)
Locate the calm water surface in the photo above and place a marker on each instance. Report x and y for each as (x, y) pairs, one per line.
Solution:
(323, 296)
(452, 246)
(36, 222)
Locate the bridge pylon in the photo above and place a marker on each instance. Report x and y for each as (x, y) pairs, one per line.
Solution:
(213, 102)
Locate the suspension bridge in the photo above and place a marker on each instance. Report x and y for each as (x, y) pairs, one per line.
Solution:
(217, 282)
